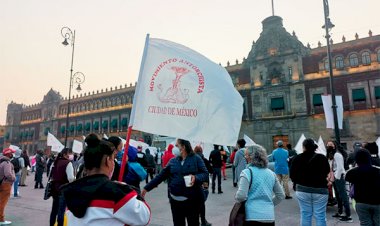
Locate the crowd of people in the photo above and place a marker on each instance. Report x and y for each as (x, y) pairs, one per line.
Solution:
(85, 188)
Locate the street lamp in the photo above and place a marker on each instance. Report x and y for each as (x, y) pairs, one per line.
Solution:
(77, 78)
(328, 26)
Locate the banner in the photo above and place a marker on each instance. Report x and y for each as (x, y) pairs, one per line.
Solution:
(299, 147)
(180, 93)
(56, 145)
(329, 116)
(14, 147)
(248, 141)
(77, 147)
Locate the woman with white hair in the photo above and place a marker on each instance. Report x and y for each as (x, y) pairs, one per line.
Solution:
(257, 184)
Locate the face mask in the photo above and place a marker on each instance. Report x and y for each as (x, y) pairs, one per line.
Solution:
(71, 157)
(176, 151)
(329, 148)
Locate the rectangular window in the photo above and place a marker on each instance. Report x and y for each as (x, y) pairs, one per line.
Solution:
(317, 100)
(377, 92)
(277, 103)
(358, 95)
(290, 71)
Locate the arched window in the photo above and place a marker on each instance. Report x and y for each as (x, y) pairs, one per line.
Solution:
(366, 58)
(339, 63)
(378, 55)
(354, 61)
(326, 64)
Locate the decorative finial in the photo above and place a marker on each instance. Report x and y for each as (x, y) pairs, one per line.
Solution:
(294, 33)
(244, 59)
(370, 33)
(228, 63)
(237, 61)
(344, 39)
(308, 45)
(356, 36)
(331, 42)
(319, 44)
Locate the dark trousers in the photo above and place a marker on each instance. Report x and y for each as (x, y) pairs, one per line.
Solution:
(203, 207)
(187, 210)
(256, 223)
(150, 172)
(342, 197)
(58, 210)
(217, 172)
(369, 215)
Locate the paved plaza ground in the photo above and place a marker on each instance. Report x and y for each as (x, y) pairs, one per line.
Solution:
(32, 210)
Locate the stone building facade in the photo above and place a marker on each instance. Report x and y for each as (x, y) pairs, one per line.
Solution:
(104, 112)
(281, 81)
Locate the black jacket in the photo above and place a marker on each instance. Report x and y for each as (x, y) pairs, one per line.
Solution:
(366, 182)
(216, 159)
(310, 170)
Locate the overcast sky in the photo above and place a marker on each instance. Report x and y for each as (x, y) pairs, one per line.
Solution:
(110, 36)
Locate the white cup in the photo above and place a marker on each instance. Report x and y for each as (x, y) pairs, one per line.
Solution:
(187, 180)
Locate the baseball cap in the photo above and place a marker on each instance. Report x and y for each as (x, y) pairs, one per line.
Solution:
(8, 151)
(280, 143)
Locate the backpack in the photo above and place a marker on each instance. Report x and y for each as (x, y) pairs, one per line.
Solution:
(16, 164)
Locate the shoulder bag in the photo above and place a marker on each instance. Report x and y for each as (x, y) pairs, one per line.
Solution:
(237, 215)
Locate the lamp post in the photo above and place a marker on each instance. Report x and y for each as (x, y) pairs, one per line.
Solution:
(328, 26)
(76, 78)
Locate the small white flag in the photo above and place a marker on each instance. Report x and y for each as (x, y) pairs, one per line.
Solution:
(321, 147)
(180, 93)
(299, 146)
(378, 145)
(248, 141)
(77, 147)
(56, 145)
(14, 147)
(329, 116)
(105, 136)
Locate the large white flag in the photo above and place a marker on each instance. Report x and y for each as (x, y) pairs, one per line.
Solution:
(56, 145)
(299, 146)
(77, 147)
(248, 141)
(181, 93)
(329, 116)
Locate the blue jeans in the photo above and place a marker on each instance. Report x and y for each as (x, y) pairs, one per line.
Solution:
(58, 210)
(15, 185)
(312, 204)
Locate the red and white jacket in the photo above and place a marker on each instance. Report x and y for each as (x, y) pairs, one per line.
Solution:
(97, 201)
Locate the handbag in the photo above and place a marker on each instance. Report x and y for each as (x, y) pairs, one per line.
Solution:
(330, 175)
(352, 191)
(237, 215)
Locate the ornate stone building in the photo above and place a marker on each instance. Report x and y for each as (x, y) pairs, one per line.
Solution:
(103, 112)
(281, 81)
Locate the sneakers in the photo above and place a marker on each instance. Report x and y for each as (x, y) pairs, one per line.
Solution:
(288, 197)
(5, 222)
(206, 224)
(220, 192)
(346, 219)
(338, 215)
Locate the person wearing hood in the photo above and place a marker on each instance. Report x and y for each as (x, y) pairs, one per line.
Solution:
(167, 155)
(40, 167)
(366, 181)
(150, 165)
(96, 200)
(62, 172)
(186, 197)
(18, 164)
(135, 172)
(7, 177)
(374, 151)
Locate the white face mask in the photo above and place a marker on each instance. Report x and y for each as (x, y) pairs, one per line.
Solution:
(71, 157)
(176, 151)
